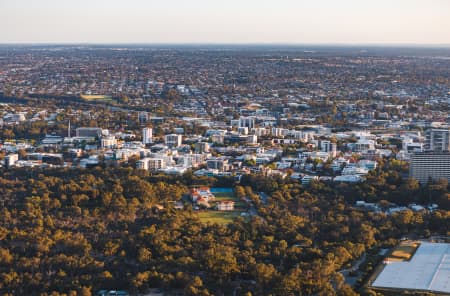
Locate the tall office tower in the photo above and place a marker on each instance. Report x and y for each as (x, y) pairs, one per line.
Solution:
(437, 140)
(201, 147)
(247, 122)
(147, 135)
(173, 140)
(430, 165)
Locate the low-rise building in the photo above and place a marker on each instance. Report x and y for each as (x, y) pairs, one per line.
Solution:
(11, 159)
(226, 205)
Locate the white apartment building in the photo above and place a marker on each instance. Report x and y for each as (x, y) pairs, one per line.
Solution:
(173, 140)
(147, 135)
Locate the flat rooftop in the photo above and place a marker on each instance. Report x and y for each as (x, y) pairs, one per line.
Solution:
(428, 270)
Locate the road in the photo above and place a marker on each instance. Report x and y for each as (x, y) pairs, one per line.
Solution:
(351, 280)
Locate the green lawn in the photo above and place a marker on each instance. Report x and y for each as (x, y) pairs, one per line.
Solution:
(222, 217)
(218, 216)
(96, 98)
(224, 195)
(221, 196)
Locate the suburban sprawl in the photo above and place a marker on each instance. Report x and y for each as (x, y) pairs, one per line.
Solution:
(224, 170)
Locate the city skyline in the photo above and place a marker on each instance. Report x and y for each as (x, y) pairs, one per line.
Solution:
(348, 22)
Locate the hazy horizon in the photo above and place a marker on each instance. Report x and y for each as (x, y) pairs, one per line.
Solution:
(231, 44)
(202, 22)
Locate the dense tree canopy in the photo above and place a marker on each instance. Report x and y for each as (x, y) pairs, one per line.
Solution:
(78, 231)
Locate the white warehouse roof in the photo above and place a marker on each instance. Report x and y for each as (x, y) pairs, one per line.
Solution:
(428, 270)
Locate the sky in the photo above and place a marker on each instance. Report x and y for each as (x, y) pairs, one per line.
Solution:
(418, 22)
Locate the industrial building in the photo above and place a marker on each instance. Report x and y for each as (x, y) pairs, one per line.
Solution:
(427, 271)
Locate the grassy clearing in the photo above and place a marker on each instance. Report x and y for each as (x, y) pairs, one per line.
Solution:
(95, 98)
(222, 196)
(222, 217)
(218, 217)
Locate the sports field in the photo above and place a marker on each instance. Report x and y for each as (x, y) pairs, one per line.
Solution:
(212, 216)
(95, 98)
(222, 217)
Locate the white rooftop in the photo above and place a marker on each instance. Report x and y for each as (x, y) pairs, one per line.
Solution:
(429, 270)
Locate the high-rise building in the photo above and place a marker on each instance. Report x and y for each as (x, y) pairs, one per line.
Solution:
(252, 139)
(218, 138)
(437, 140)
(247, 122)
(173, 140)
(363, 145)
(325, 145)
(155, 164)
(243, 130)
(147, 135)
(151, 164)
(328, 146)
(279, 132)
(430, 165)
(261, 131)
(201, 147)
(217, 163)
